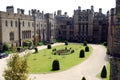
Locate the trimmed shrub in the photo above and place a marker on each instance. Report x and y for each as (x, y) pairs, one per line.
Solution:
(72, 51)
(36, 50)
(49, 46)
(66, 42)
(5, 47)
(83, 78)
(55, 65)
(85, 43)
(87, 49)
(27, 43)
(82, 54)
(104, 72)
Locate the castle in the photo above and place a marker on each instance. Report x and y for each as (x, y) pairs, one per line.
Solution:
(114, 41)
(85, 25)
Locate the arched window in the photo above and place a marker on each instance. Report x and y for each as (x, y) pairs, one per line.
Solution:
(11, 36)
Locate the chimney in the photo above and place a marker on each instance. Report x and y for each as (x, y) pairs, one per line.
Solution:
(29, 12)
(100, 10)
(10, 9)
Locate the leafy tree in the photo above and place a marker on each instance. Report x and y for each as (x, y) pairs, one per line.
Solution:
(104, 72)
(16, 68)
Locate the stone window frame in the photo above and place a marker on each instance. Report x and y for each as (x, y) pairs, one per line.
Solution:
(11, 35)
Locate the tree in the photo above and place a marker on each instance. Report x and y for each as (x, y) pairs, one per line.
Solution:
(16, 68)
(104, 72)
(55, 65)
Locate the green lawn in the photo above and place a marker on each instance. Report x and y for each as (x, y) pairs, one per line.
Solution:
(42, 62)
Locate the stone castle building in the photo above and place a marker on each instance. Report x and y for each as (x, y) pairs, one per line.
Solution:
(15, 28)
(114, 41)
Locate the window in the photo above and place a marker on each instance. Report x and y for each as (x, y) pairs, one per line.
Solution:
(28, 24)
(16, 23)
(11, 23)
(23, 24)
(11, 36)
(6, 23)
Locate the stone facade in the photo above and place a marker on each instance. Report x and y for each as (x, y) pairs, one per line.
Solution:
(85, 25)
(65, 27)
(89, 25)
(114, 42)
(15, 28)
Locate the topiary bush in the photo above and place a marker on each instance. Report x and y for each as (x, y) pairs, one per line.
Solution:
(49, 46)
(83, 78)
(66, 42)
(104, 72)
(55, 65)
(5, 47)
(82, 54)
(86, 49)
(72, 51)
(36, 50)
(85, 43)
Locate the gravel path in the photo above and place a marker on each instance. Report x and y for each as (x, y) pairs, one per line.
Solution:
(89, 68)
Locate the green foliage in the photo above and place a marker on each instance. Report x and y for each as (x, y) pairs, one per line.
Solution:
(87, 49)
(66, 42)
(72, 51)
(49, 46)
(36, 50)
(16, 68)
(55, 65)
(5, 47)
(104, 72)
(108, 52)
(82, 54)
(27, 43)
(85, 43)
(83, 78)
(40, 43)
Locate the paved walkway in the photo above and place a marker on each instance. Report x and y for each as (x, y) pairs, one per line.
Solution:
(89, 68)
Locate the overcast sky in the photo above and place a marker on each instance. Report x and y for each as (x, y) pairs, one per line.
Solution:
(49, 6)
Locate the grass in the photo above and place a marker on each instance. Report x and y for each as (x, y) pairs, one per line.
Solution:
(41, 62)
(108, 73)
